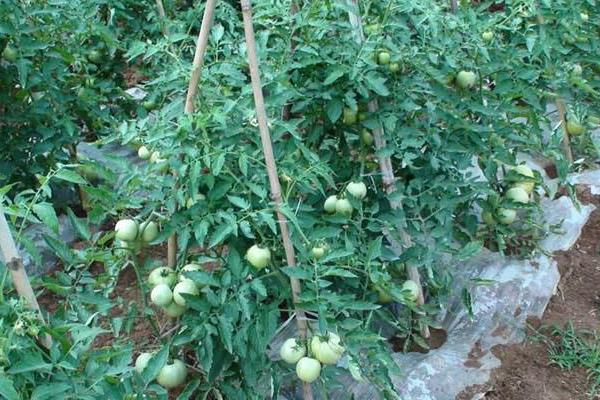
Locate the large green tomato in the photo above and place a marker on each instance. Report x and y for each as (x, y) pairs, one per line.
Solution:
(126, 230)
(411, 290)
(149, 231)
(172, 375)
(174, 310)
(10, 54)
(383, 58)
(258, 257)
(327, 351)
(144, 153)
(350, 116)
(308, 369)
(318, 252)
(518, 195)
(292, 351)
(487, 36)
(488, 218)
(525, 171)
(575, 128)
(384, 296)
(367, 137)
(466, 79)
(141, 362)
(161, 295)
(329, 205)
(184, 287)
(343, 206)
(95, 56)
(507, 216)
(164, 275)
(357, 189)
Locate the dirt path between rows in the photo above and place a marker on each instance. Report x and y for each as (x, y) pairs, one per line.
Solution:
(526, 372)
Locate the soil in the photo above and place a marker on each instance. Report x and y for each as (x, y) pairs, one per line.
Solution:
(526, 372)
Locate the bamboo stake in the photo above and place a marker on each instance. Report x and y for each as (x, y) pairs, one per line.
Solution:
(562, 113)
(261, 115)
(207, 20)
(20, 280)
(201, 44)
(385, 165)
(163, 17)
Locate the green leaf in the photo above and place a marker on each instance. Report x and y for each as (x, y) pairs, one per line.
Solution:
(220, 234)
(334, 109)
(470, 250)
(79, 225)
(61, 250)
(257, 285)
(70, 176)
(28, 362)
(200, 231)
(376, 84)
(189, 390)
(339, 272)
(225, 330)
(7, 390)
(334, 76)
(155, 364)
(50, 391)
(297, 272)
(239, 202)
(45, 212)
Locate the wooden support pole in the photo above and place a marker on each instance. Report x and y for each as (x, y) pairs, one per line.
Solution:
(562, 114)
(198, 63)
(261, 115)
(453, 5)
(14, 263)
(385, 165)
(163, 17)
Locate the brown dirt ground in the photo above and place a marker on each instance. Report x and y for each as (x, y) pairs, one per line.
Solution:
(526, 372)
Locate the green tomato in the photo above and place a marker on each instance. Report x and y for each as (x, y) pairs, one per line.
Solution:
(576, 70)
(383, 58)
(149, 231)
(506, 216)
(318, 252)
(172, 375)
(524, 170)
(155, 157)
(149, 105)
(292, 351)
(488, 218)
(144, 153)
(327, 351)
(329, 205)
(466, 79)
(126, 230)
(141, 362)
(184, 287)
(372, 29)
(411, 290)
(308, 369)
(575, 128)
(384, 296)
(10, 54)
(366, 137)
(174, 310)
(162, 275)
(518, 195)
(188, 268)
(350, 116)
(95, 56)
(258, 257)
(487, 36)
(394, 67)
(584, 17)
(343, 206)
(161, 295)
(357, 189)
